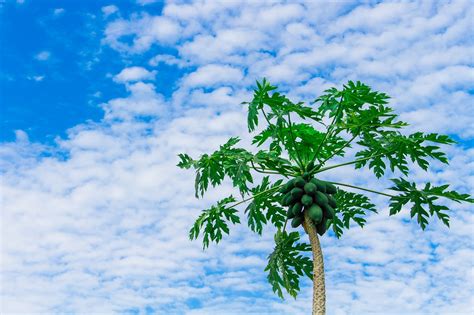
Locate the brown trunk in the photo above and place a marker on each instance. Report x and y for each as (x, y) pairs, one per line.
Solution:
(319, 290)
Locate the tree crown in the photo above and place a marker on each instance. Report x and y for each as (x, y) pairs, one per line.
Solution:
(354, 117)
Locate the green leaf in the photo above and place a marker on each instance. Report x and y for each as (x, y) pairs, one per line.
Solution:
(286, 264)
(423, 200)
(227, 161)
(252, 117)
(186, 161)
(350, 207)
(213, 222)
(398, 148)
(265, 207)
(271, 160)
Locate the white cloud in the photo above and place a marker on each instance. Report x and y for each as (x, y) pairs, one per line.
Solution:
(168, 60)
(109, 10)
(146, 30)
(58, 11)
(210, 75)
(146, 2)
(37, 78)
(134, 74)
(143, 101)
(226, 45)
(102, 224)
(372, 19)
(43, 55)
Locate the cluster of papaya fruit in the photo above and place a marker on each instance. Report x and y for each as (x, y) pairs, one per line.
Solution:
(306, 193)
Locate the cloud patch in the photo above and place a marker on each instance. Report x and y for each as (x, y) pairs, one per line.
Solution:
(43, 55)
(109, 10)
(210, 75)
(146, 31)
(59, 11)
(133, 74)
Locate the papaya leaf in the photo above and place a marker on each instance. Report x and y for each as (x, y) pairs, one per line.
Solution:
(186, 161)
(398, 148)
(265, 207)
(423, 200)
(307, 140)
(286, 264)
(213, 222)
(350, 207)
(263, 136)
(252, 117)
(271, 160)
(227, 161)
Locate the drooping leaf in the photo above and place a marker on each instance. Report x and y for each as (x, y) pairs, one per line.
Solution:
(286, 264)
(350, 207)
(265, 206)
(213, 222)
(227, 161)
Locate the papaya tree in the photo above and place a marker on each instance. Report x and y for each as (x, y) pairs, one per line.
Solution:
(294, 147)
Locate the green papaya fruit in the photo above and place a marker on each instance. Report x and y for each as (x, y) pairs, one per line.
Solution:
(287, 187)
(315, 213)
(307, 200)
(321, 227)
(296, 209)
(330, 188)
(328, 212)
(289, 213)
(321, 199)
(306, 176)
(321, 186)
(293, 199)
(310, 189)
(299, 182)
(296, 221)
(297, 192)
(285, 200)
(332, 201)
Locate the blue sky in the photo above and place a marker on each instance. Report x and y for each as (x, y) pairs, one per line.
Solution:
(99, 97)
(55, 54)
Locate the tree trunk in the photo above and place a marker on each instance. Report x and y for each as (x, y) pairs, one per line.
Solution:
(319, 290)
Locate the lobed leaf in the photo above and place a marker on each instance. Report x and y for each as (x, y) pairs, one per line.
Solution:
(350, 207)
(286, 264)
(213, 222)
(423, 200)
(265, 207)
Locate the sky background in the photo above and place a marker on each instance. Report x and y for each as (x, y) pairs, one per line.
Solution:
(98, 98)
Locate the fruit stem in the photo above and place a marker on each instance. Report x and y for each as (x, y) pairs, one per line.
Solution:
(347, 163)
(273, 126)
(340, 149)
(328, 131)
(298, 157)
(361, 188)
(284, 225)
(266, 172)
(253, 196)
